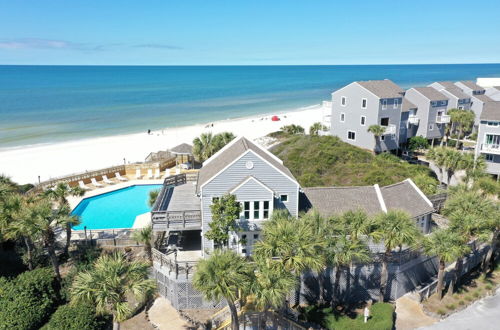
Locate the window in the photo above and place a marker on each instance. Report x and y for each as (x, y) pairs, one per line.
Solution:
(363, 120)
(493, 140)
(246, 210)
(489, 157)
(460, 108)
(284, 198)
(265, 209)
(384, 104)
(396, 103)
(382, 138)
(255, 236)
(431, 127)
(351, 135)
(256, 210)
(244, 236)
(434, 103)
(244, 251)
(363, 103)
(342, 117)
(492, 123)
(343, 101)
(384, 121)
(215, 199)
(444, 102)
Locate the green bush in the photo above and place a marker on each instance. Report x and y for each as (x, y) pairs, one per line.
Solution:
(441, 312)
(461, 302)
(451, 307)
(75, 317)
(476, 294)
(381, 318)
(469, 298)
(28, 300)
(488, 286)
(418, 143)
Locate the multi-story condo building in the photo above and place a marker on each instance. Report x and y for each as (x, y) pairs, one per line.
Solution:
(361, 104)
(488, 137)
(493, 93)
(431, 112)
(181, 215)
(456, 98)
(478, 97)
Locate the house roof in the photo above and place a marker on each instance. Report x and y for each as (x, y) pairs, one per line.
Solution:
(457, 92)
(384, 89)
(446, 84)
(491, 111)
(407, 105)
(182, 149)
(431, 94)
(483, 98)
(405, 196)
(230, 153)
(472, 85)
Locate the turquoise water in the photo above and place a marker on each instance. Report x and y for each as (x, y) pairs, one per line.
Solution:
(43, 104)
(115, 209)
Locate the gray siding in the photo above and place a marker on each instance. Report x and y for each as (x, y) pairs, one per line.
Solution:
(493, 164)
(427, 115)
(252, 190)
(235, 174)
(353, 111)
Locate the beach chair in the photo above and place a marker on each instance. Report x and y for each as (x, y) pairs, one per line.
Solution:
(95, 183)
(177, 170)
(138, 174)
(157, 173)
(82, 185)
(119, 177)
(150, 174)
(106, 180)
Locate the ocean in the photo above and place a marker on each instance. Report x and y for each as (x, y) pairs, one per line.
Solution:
(46, 104)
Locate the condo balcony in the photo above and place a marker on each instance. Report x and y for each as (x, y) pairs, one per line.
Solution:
(443, 119)
(490, 148)
(177, 206)
(413, 120)
(390, 129)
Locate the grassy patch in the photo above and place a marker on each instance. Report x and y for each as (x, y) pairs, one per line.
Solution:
(327, 161)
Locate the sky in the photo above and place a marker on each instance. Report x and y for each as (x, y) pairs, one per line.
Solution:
(252, 32)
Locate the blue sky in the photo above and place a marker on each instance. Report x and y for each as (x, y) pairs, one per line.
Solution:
(253, 32)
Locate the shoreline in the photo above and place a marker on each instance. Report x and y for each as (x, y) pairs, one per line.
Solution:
(49, 160)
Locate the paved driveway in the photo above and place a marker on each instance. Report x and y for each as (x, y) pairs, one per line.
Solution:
(483, 315)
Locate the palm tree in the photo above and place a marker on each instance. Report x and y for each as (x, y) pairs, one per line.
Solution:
(448, 246)
(395, 229)
(438, 156)
(203, 147)
(316, 127)
(377, 131)
(144, 236)
(220, 277)
(109, 284)
(357, 223)
(153, 196)
(224, 138)
(491, 224)
(341, 255)
(453, 161)
(463, 119)
(60, 195)
(475, 167)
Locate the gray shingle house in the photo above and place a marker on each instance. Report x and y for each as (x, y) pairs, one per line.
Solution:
(477, 94)
(456, 98)
(488, 137)
(431, 112)
(361, 104)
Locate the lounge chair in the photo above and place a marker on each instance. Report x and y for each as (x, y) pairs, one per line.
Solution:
(119, 177)
(95, 183)
(157, 173)
(82, 185)
(106, 180)
(150, 174)
(138, 174)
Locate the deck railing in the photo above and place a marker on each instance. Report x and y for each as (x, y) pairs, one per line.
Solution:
(173, 265)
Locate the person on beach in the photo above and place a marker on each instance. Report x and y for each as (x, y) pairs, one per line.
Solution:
(149, 131)
(366, 314)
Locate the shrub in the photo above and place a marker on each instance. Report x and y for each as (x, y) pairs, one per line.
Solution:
(75, 317)
(476, 294)
(418, 143)
(468, 298)
(441, 312)
(28, 300)
(381, 318)
(488, 286)
(293, 129)
(451, 307)
(461, 302)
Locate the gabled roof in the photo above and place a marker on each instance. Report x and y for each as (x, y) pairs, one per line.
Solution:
(457, 92)
(230, 153)
(182, 149)
(491, 111)
(446, 84)
(472, 85)
(431, 94)
(483, 98)
(384, 89)
(404, 196)
(407, 105)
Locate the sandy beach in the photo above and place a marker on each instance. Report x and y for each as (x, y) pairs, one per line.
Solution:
(25, 164)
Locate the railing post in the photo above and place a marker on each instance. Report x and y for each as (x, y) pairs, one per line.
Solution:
(183, 219)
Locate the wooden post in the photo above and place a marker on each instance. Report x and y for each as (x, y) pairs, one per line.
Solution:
(85, 230)
(114, 238)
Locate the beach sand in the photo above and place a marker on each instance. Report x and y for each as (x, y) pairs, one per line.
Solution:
(25, 164)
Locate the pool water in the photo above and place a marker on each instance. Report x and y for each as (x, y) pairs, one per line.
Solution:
(115, 209)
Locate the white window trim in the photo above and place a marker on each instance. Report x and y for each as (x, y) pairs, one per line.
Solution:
(384, 104)
(395, 104)
(344, 100)
(261, 209)
(361, 121)
(366, 103)
(486, 156)
(354, 135)
(496, 124)
(342, 115)
(287, 198)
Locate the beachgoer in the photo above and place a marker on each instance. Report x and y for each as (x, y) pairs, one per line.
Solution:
(149, 131)
(366, 314)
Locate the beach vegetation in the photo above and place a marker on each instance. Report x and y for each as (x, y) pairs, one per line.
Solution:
(153, 196)
(377, 131)
(293, 129)
(316, 128)
(462, 120)
(328, 161)
(75, 317)
(207, 144)
(225, 212)
(145, 236)
(418, 143)
(110, 285)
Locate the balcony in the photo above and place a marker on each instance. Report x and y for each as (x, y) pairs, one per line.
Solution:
(390, 129)
(413, 120)
(443, 119)
(490, 148)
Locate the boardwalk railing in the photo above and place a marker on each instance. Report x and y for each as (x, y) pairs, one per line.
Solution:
(178, 267)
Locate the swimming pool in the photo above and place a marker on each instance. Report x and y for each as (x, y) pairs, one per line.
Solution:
(115, 209)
